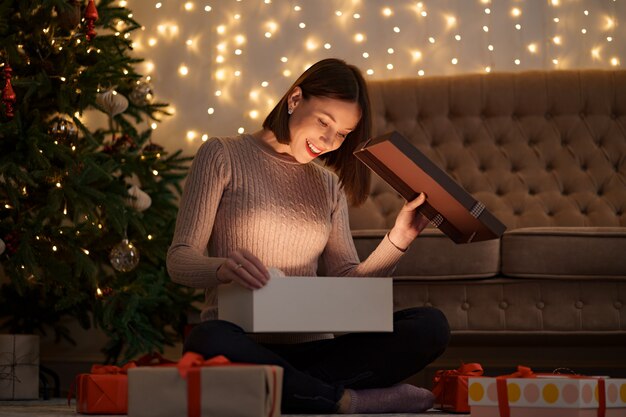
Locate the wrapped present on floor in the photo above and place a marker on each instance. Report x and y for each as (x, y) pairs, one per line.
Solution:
(525, 393)
(105, 389)
(19, 367)
(450, 387)
(196, 388)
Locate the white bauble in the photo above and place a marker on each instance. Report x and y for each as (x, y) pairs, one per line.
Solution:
(141, 200)
(112, 102)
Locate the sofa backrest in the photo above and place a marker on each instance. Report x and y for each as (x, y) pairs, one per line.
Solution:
(539, 148)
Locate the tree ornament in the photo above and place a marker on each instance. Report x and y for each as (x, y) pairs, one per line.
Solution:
(91, 15)
(124, 256)
(69, 16)
(112, 102)
(124, 143)
(12, 242)
(139, 199)
(152, 150)
(142, 93)
(8, 95)
(3, 246)
(63, 130)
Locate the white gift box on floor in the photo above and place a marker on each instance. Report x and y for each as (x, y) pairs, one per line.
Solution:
(19, 367)
(310, 304)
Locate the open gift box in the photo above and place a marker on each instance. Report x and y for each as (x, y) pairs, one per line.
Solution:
(310, 304)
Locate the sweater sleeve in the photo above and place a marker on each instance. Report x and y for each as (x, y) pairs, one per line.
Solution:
(187, 262)
(340, 255)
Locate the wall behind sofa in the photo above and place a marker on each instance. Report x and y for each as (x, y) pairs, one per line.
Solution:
(222, 64)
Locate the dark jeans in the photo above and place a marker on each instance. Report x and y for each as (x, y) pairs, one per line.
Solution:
(316, 373)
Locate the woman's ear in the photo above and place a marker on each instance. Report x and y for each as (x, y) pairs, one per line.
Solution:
(294, 97)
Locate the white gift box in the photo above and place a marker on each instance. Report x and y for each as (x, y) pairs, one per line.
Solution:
(19, 367)
(310, 304)
(557, 395)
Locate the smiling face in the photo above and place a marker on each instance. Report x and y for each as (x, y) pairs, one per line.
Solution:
(319, 125)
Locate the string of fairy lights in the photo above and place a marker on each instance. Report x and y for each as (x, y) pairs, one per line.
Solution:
(222, 65)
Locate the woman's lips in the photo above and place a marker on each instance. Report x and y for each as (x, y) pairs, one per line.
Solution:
(312, 149)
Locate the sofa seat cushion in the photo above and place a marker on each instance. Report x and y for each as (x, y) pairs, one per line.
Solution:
(507, 305)
(433, 256)
(565, 252)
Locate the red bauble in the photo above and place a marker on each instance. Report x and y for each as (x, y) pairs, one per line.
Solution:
(91, 15)
(8, 95)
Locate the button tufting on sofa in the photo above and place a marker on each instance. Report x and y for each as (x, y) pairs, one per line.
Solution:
(545, 152)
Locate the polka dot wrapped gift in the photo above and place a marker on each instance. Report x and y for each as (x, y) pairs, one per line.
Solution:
(546, 395)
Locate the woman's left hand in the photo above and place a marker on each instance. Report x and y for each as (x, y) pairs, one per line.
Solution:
(409, 223)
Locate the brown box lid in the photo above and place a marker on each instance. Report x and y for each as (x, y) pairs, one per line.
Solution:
(448, 206)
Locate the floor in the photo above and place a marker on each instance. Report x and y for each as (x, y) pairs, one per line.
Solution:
(59, 408)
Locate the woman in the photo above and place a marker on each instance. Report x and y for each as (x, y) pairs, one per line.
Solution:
(257, 201)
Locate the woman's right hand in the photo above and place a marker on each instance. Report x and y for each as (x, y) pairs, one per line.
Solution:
(245, 269)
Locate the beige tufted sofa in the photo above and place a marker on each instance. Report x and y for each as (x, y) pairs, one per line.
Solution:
(546, 152)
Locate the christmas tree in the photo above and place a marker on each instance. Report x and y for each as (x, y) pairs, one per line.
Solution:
(86, 212)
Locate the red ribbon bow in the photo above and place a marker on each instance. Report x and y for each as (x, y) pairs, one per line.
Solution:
(466, 369)
(112, 369)
(191, 360)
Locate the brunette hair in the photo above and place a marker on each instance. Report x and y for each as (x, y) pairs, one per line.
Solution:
(333, 78)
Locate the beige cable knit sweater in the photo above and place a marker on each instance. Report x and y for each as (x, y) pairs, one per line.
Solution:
(241, 194)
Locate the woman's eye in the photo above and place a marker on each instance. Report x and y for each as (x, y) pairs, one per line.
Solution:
(342, 135)
(322, 123)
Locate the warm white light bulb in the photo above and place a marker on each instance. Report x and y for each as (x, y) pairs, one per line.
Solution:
(454, 61)
(532, 48)
(387, 12)
(183, 70)
(359, 37)
(515, 11)
(615, 61)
